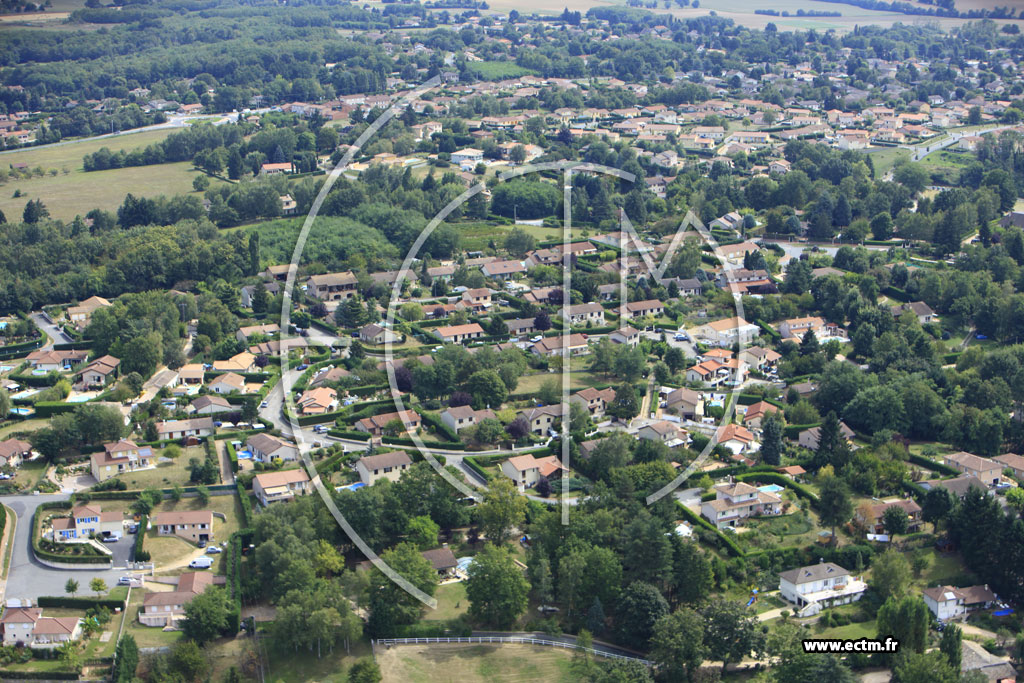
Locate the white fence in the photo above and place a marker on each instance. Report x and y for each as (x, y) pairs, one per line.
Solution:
(515, 640)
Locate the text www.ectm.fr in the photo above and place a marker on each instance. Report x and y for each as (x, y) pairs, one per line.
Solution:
(855, 645)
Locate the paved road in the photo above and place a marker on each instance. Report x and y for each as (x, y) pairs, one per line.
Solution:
(921, 152)
(49, 329)
(29, 578)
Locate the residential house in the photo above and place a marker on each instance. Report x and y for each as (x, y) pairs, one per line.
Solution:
(442, 560)
(526, 470)
(958, 486)
(317, 401)
(626, 335)
(183, 429)
(375, 424)
(372, 468)
(669, 433)
(120, 457)
(686, 403)
(376, 334)
(871, 516)
(192, 374)
(80, 315)
(191, 525)
(460, 417)
(759, 358)
(459, 334)
(26, 626)
(332, 286)
(1011, 461)
(922, 311)
(327, 375)
(243, 362)
(228, 383)
(477, 299)
(469, 157)
(543, 418)
(266, 448)
(165, 608)
(732, 221)
(520, 326)
(818, 586)
(794, 329)
(756, 412)
(735, 502)
(14, 451)
(809, 438)
(737, 439)
(573, 345)
(637, 309)
(726, 332)
(988, 471)
(608, 292)
(210, 405)
(86, 521)
(57, 360)
(503, 270)
(594, 400)
(274, 487)
(99, 372)
(582, 314)
(265, 330)
(949, 603)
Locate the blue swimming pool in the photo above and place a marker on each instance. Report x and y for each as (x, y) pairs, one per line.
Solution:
(244, 455)
(770, 488)
(18, 410)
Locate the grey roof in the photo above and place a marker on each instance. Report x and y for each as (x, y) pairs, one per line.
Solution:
(392, 459)
(814, 572)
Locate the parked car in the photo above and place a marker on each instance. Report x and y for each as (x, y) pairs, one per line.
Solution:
(302, 367)
(124, 581)
(536, 339)
(213, 550)
(201, 563)
(133, 528)
(112, 538)
(264, 404)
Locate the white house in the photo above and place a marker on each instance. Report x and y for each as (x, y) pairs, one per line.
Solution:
(726, 332)
(275, 487)
(460, 417)
(735, 502)
(820, 585)
(383, 466)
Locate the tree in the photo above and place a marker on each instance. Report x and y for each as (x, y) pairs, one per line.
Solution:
(542, 322)
(833, 448)
(625, 406)
(834, 504)
(924, 667)
(201, 183)
(730, 632)
(678, 644)
(71, 587)
(206, 615)
(518, 242)
(34, 211)
(422, 531)
(771, 439)
(487, 389)
(126, 660)
(97, 586)
(390, 604)
(501, 511)
(496, 588)
(596, 617)
(951, 645)
(365, 671)
(894, 519)
(890, 575)
(638, 610)
(691, 571)
(630, 364)
(938, 503)
(188, 660)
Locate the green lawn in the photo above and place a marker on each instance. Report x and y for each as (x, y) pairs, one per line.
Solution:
(289, 666)
(28, 474)
(444, 663)
(165, 474)
(18, 426)
(884, 158)
(864, 629)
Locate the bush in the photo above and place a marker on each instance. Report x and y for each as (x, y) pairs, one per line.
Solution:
(68, 602)
(247, 504)
(140, 554)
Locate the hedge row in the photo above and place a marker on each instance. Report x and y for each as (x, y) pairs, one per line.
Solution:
(68, 602)
(305, 420)
(15, 350)
(47, 380)
(697, 520)
(51, 408)
(247, 512)
(932, 465)
(348, 434)
(472, 463)
(57, 557)
(141, 555)
(400, 441)
(40, 675)
(234, 583)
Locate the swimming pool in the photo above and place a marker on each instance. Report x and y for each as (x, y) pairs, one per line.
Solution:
(771, 488)
(244, 455)
(6, 368)
(25, 394)
(24, 412)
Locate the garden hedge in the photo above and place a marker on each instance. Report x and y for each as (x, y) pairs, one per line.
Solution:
(141, 555)
(932, 465)
(698, 520)
(247, 502)
(68, 602)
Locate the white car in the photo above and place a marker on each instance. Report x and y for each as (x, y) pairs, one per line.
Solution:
(201, 563)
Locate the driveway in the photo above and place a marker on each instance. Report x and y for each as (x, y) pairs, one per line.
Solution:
(55, 334)
(29, 578)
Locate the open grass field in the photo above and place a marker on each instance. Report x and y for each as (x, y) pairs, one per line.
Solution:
(290, 666)
(884, 158)
(442, 663)
(451, 602)
(77, 192)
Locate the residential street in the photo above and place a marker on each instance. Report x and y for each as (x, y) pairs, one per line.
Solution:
(29, 578)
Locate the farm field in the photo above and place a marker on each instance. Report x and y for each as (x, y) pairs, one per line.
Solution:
(78, 192)
(441, 663)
